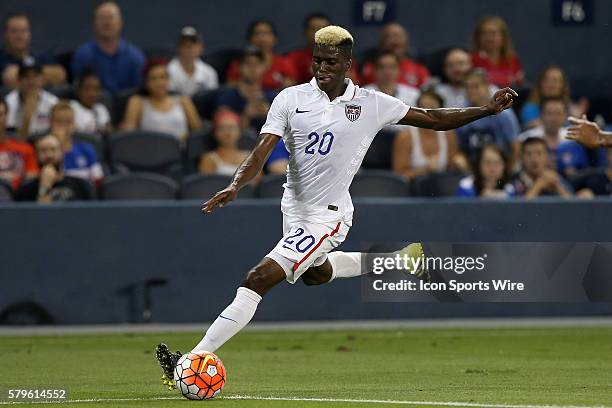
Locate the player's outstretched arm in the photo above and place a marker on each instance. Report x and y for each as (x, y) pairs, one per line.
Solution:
(451, 118)
(588, 133)
(248, 170)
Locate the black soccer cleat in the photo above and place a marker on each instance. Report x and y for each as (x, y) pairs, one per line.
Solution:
(167, 361)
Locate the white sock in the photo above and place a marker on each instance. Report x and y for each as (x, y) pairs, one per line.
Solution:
(345, 264)
(230, 321)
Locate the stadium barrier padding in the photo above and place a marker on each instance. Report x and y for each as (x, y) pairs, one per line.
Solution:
(93, 262)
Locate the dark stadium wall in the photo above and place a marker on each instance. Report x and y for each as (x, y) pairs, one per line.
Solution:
(60, 26)
(90, 263)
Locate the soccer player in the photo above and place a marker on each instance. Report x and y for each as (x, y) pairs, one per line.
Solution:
(588, 133)
(327, 126)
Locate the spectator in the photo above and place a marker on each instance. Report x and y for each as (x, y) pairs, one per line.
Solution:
(551, 83)
(395, 39)
(457, 64)
(29, 105)
(302, 58)
(17, 41)
(52, 185)
(494, 52)
(247, 97)
(386, 76)
(566, 156)
(490, 179)
(417, 151)
(118, 63)
(279, 72)
(279, 159)
(17, 160)
(536, 178)
(90, 116)
(157, 110)
(188, 73)
(501, 129)
(226, 157)
(80, 159)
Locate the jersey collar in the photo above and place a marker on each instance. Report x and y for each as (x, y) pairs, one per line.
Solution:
(348, 95)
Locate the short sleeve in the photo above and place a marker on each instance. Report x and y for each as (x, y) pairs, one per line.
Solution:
(277, 120)
(390, 110)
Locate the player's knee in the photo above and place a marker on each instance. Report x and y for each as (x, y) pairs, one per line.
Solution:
(259, 279)
(312, 278)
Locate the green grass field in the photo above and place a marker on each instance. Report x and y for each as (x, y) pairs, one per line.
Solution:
(528, 367)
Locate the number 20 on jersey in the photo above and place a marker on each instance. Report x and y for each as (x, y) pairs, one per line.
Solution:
(320, 144)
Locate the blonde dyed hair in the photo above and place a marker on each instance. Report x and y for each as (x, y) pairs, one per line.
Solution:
(333, 36)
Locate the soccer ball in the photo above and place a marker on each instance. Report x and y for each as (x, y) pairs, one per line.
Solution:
(199, 376)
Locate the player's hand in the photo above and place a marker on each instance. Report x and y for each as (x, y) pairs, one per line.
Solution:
(502, 100)
(584, 132)
(221, 199)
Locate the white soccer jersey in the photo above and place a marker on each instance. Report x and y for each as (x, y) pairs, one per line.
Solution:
(327, 141)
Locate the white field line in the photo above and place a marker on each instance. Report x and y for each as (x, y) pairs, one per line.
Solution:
(298, 399)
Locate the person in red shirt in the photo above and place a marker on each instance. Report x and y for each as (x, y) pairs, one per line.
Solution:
(280, 72)
(394, 38)
(302, 58)
(17, 159)
(493, 52)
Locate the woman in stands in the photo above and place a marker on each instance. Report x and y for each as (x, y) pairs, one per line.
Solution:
(491, 176)
(551, 84)
(156, 110)
(417, 152)
(493, 51)
(226, 157)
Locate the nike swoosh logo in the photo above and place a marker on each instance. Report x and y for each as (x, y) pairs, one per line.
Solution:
(227, 318)
(297, 110)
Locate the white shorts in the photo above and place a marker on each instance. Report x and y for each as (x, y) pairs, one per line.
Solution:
(306, 244)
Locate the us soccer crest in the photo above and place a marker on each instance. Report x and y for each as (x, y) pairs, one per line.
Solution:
(352, 112)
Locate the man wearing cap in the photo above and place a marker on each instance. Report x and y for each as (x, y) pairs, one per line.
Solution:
(188, 73)
(29, 105)
(118, 63)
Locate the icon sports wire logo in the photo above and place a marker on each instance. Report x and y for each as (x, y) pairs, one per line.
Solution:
(457, 264)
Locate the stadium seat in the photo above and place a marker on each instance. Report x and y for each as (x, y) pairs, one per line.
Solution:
(378, 183)
(379, 153)
(271, 186)
(138, 186)
(6, 192)
(204, 186)
(205, 102)
(221, 60)
(436, 184)
(147, 151)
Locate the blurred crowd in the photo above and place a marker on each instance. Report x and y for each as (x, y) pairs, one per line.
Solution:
(74, 125)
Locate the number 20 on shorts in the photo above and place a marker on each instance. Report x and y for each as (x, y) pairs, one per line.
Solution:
(303, 243)
(323, 144)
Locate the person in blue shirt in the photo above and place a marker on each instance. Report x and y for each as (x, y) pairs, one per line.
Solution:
(501, 129)
(551, 83)
(118, 63)
(80, 158)
(566, 156)
(491, 176)
(247, 97)
(278, 160)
